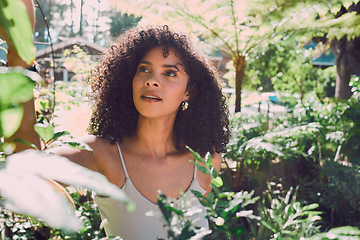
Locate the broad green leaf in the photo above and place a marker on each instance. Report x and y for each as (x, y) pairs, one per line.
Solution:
(16, 86)
(218, 182)
(45, 131)
(62, 170)
(10, 120)
(15, 21)
(32, 195)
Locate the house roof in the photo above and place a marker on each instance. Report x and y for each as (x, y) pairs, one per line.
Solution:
(58, 48)
(324, 59)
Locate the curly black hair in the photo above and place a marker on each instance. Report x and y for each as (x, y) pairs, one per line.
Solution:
(204, 126)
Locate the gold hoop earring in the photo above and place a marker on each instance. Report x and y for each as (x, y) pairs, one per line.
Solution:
(184, 106)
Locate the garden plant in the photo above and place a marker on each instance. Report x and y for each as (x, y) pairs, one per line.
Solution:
(290, 177)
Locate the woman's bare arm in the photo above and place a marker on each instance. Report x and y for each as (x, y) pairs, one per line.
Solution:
(84, 158)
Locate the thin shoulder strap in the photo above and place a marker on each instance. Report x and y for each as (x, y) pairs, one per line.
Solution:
(122, 161)
(195, 170)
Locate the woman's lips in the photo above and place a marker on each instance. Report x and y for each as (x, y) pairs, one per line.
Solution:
(150, 98)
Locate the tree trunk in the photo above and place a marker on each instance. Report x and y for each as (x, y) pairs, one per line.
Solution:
(240, 66)
(347, 56)
(72, 18)
(81, 18)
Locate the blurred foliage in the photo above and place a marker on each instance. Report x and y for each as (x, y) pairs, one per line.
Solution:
(79, 62)
(121, 22)
(19, 88)
(14, 20)
(288, 67)
(315, 147)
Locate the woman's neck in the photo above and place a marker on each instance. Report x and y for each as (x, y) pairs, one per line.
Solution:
(155, 136)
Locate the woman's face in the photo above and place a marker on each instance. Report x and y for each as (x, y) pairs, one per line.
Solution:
(160, 84)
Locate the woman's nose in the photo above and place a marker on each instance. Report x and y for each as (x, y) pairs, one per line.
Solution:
(152, 82)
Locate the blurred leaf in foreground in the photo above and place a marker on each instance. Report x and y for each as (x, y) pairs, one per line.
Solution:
(14, 19)
(32, 195)
(23, 183)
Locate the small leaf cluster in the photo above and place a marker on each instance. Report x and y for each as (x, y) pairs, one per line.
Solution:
(224, 210)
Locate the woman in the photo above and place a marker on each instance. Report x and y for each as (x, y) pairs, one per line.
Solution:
(153, 95)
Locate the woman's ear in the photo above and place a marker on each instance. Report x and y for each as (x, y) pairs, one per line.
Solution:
(187, 96)
(190, 92)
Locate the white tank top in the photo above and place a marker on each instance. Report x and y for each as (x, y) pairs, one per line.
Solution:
(136, 225)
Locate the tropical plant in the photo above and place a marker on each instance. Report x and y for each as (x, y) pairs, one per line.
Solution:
(283, 217)
(226, 26)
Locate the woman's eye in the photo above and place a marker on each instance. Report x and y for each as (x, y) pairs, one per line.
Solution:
(143, 69)
(170, 73)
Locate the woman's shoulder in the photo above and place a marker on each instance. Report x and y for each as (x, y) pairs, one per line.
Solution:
(95, 148)
(95, 142)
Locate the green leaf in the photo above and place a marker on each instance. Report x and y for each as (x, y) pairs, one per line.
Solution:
(335, 8)
(10, 120)
(161, 203)
(25, 142)
(269, 226)
(45, 131)
(208, 160)
(218, 182)
(245, 213)
(215, 188)
(43, 104)
(196, 156)
(310, 207)
(203, 200)
(15, 21)
(214, 172)
(60, 134)
(226, 195)
(16, 86)
(201, 168)
(78, 145)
